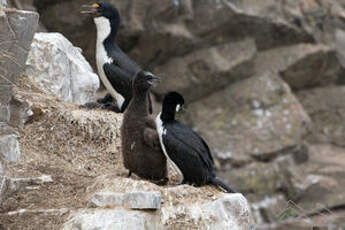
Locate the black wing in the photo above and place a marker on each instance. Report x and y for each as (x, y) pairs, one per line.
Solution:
(187, 149)
(120, 79)
(122, 60)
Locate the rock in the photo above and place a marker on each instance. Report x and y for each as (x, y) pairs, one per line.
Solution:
(208, 70)
(132, 200)
(17, 28)
(3, 3)
(340, 45)
(155, 31)
(228, 212)
(260, 180)
(9, 144)
(269, 209)
(59, 69)
(182, 207)
(326, 107)
(10, 186)
(322, 221)
(44, 212)
(258, 117)
(302, 65)
(320, 185)
(111, 220)
(20, 111)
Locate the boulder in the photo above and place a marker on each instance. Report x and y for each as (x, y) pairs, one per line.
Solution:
(17, 28)
(302, 65)
(258, 117)
(58, 68)
(208, 70)
(320, 185)
(182, 206)
(326, 107)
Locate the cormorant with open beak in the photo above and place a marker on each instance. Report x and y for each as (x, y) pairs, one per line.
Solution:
(115, 68)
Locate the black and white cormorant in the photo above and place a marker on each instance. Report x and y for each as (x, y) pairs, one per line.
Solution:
(187, 152)
(141, 150)
(115, 68)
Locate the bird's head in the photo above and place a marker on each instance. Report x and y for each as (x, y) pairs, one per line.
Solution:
(145, 80)
(173, 101)
(101, 9)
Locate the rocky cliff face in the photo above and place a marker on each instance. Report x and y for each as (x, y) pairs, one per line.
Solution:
(264, 81)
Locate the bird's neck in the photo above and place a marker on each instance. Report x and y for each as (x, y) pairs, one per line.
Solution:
(106, 29)
(168, 114)
(140, 101)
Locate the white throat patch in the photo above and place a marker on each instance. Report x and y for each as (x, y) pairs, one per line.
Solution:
(178, 107)
(103, 31)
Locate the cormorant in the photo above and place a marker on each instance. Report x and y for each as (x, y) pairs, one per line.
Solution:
(115, 68)
(185, 149)
(141, 150)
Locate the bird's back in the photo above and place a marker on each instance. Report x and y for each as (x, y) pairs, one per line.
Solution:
(189, 152)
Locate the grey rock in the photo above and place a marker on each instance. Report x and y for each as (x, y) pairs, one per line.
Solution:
(17, 29)
(9, 144)
(269, 209)
(302, 65)
(340, 45)
(104, 219)
(263, 180)
(229, 211)
(258, 117)
(326, 107)
(59, 69)
(43, 212)
(155, 31)
(132, 200)
(21, 111)
(319, 184)
(3, 3)
(11, 186)
(208, 70)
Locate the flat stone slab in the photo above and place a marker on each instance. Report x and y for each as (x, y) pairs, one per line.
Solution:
(133, 200)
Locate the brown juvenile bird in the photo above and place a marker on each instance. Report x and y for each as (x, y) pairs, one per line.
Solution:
(141, 150)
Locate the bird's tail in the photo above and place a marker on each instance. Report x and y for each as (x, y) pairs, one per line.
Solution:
(216, 181)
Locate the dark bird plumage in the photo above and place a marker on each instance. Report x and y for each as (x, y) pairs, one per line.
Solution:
(184, 148)
(115, 68)
(141, 149)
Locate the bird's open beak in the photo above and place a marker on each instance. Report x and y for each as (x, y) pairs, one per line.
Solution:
(90, 9)
(154, 81)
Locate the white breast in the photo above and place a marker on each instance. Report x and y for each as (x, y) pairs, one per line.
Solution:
(162, 131)
(103, 31)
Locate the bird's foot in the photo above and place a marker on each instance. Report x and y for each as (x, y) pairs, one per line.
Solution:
(106, 99)
(111, 107)
(91, 105)
(163, 181)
